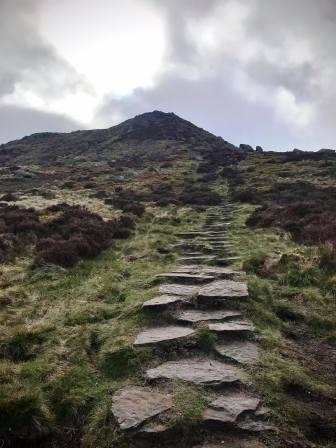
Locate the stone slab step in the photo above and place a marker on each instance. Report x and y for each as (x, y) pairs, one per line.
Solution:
(227, 261)
(200, 371)
(183, 277)
(186, 253)
(134, 405)
(223, 289)
(237, 326)
(227, 408)
(243, 352)
(190, 235)
(157, 335)
(202, 259)
(233, 442)
(179, 290)
(164, 301)
(218, 272)
(195, 316)
(221, 225)
(254, 424)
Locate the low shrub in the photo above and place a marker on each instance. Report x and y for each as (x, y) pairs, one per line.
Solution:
(60, 252)
(134, 208)
(9, 197)
(327, 255)
(122, 233)
(199, 195)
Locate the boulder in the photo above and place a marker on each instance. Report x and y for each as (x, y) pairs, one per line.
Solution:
(246, 148)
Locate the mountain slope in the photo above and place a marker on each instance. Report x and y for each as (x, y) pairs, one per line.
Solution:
(151, 133)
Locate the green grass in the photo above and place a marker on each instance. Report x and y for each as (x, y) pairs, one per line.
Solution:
(295, 295)
(66, 339)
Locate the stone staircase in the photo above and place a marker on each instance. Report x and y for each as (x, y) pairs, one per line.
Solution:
(202, 294)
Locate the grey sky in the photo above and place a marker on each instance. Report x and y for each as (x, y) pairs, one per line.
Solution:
(253, 71)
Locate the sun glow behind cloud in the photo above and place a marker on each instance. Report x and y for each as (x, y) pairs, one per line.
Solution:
(251, 70)
(115, 47)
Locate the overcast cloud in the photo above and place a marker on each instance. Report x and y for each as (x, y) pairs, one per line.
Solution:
(253, 71)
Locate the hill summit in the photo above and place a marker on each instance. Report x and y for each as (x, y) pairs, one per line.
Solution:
(142, 136)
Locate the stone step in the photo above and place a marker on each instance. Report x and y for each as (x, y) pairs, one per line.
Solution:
(184, 277)
(242, 352)
(238, 327)
(188, 291)
(227, 408)
(220, 225)
(161, 335)
(227, 261)
(164, 301)
(213, 233)
(222, 290)
(191, 254)
(200, 371)
(202, 259)
(196, 316)
(220, 245)
(190, 235)
(134, 405)
(237, 441)
(218, 272)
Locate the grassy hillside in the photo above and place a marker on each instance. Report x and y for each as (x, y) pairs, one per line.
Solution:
(67, 327)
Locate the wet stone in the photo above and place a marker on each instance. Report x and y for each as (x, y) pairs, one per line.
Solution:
(206, 372)
(179, 290)
(194, 316)
(227, 408)
(133, 405)
(244, 352)
(157, 335)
